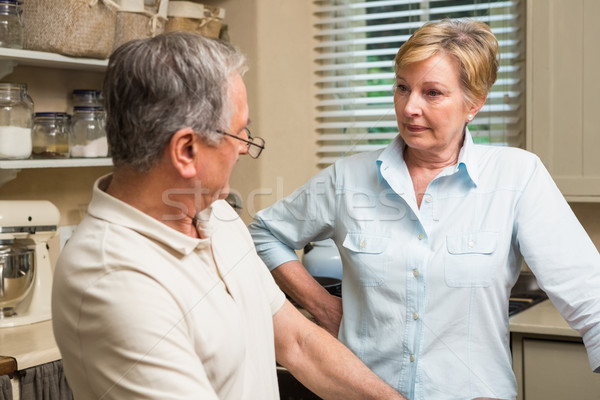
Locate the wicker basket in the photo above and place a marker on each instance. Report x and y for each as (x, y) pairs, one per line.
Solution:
(195, 17)
(79, 28)
(140, 21)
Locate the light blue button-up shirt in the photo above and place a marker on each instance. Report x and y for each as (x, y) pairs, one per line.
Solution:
(425, 290)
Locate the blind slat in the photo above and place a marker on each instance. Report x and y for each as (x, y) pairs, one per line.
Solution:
(415, 12)
(354, 75)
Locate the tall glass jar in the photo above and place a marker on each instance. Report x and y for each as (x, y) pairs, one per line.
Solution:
(88, 136)
(11, 24)
(16, 111)
(50, 135)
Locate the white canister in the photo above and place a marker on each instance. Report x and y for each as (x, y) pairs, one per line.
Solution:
(323, 259)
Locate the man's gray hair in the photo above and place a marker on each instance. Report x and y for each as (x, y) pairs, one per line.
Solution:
(155, 87)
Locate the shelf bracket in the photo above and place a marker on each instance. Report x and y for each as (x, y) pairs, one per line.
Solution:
(6, 67)
(7, 175)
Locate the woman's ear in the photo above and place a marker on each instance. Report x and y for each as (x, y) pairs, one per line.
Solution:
(183, 152)
(474, 109)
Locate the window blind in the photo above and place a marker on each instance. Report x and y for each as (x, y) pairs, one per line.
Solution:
(357, 42)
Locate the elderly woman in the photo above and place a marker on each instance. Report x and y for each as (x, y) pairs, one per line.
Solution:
(432, 231)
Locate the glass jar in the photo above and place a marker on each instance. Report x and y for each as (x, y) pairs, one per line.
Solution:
(87, 98)
(11, 24)
(16, 111)
(88, 136)
(50, 135)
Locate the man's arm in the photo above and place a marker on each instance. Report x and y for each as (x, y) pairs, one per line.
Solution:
(295, 280)
(321, 362)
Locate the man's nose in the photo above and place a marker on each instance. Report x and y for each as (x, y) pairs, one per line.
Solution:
(244, 148)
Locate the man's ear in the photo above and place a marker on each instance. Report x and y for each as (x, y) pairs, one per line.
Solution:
(183, 152)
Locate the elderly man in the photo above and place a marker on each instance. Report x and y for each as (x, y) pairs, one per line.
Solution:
(160, 293)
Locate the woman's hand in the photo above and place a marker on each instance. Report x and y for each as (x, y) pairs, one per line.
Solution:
(297, 283)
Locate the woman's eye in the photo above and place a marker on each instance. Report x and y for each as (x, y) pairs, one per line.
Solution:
(433, 93)
(401, 88)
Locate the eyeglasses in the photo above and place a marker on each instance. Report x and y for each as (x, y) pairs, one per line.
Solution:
(255, 145)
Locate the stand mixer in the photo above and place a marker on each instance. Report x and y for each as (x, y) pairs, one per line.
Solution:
(25, 268)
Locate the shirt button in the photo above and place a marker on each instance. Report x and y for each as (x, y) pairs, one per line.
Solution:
(412, 358)
(415, 272)
(415, 316)
(363, 244)
(428, 198)
(471, 243)
(421, 236)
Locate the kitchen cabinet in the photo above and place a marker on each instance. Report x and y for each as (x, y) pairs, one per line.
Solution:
(557, 369)
(41, 61)
(549, 358)
(563, 122)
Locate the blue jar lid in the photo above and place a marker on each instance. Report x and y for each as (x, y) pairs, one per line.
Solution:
(85, 108)
(51, 114)
(86, 92)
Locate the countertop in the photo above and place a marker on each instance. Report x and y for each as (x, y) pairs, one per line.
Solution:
(27, 346)
(543, 319)
(31, 345)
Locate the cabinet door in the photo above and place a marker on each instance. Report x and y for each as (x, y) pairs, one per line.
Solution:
(557, 370)
(563, 118)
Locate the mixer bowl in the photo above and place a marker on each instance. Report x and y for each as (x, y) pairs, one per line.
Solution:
(16, 276)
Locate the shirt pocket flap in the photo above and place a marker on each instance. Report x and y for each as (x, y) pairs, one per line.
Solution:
(365, 243)
(472, 243)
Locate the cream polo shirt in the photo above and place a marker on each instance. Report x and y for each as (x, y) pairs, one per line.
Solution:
(141, 311)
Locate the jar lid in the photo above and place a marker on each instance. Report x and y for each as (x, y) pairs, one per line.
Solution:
(86, 108)
(13, 86)
(51, 114)
(85, 92)
(12, 2)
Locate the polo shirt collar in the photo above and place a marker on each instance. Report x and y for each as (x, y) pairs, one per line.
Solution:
(106, 207)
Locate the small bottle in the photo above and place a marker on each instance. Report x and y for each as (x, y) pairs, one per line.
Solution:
(16, 112)
(50, 135)
(11, 24)
(88, 136)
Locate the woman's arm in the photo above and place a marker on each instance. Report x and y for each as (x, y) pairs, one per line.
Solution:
(322, 363)
(295, 280)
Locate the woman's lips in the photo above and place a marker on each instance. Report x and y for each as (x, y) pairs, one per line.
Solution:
(415, 128)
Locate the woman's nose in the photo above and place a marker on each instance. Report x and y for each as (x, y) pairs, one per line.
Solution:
(413, 105)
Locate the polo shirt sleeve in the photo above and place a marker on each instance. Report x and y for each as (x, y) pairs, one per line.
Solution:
(157, 362)
(308, 214)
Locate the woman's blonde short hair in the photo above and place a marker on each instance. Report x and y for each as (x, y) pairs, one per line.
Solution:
(470, 42)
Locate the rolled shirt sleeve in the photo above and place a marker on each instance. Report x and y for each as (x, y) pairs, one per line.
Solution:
(305, 215)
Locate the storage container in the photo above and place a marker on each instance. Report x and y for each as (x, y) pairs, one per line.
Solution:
(79, 28)
(50, 135)
(140, 19)
(11, 24)
(88, 136)
(195, 17)
(16, 112)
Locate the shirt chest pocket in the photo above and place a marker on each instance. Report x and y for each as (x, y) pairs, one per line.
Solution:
(369, 262)
(469, 260)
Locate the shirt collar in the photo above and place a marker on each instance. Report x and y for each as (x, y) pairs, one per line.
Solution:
(468, 158)
(393, 155)
(115, 211)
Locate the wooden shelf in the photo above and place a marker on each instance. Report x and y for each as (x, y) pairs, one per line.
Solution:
(61, 163)
(50, 60)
